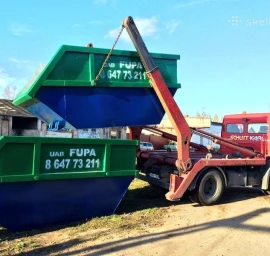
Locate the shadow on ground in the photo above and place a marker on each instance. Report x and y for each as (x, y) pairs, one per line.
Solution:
(240, 194)
(137, 199)
(150, 197)
(238, 222)
(146, 197)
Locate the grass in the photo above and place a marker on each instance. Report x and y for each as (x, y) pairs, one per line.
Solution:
(142, 207)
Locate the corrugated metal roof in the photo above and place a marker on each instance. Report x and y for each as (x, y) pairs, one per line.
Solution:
(8, 109)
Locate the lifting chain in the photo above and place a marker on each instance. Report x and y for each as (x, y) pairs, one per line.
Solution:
(109, 54)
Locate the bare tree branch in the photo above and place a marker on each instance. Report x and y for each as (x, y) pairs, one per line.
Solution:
(9, 92)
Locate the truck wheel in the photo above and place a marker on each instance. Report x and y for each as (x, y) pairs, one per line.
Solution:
(267, 192)
(209, 188)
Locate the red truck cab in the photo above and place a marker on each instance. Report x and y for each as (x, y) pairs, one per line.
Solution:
(248, 130)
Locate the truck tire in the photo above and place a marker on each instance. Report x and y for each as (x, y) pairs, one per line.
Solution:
(209, 188)
(267, 191)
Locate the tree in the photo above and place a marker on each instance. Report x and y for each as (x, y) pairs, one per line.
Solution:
(215, 118)
(203, 114)
(9, 92)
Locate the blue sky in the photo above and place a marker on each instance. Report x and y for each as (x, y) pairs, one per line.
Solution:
(224, 44)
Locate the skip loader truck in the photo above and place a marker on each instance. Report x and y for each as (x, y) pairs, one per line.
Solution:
(241, 161)
(60, 180)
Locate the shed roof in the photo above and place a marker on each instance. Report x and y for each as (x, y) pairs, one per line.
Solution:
(8, 109)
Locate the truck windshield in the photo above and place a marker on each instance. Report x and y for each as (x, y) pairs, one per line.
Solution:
(235, 128)
(258, 128)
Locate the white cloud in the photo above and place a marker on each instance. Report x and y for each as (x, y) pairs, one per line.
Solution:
(19, 29)
(171, 26)
(25, 65)
(195, 2)
(14, 60)
(19, 61)
(146, 27)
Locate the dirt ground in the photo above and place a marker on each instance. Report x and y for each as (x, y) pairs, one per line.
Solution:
(239, 225)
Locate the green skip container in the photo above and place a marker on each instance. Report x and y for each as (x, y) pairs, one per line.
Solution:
(49, 181)
(65, 94)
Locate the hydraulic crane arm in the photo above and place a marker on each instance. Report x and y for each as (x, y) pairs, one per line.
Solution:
(175, 115)
(174, 138)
